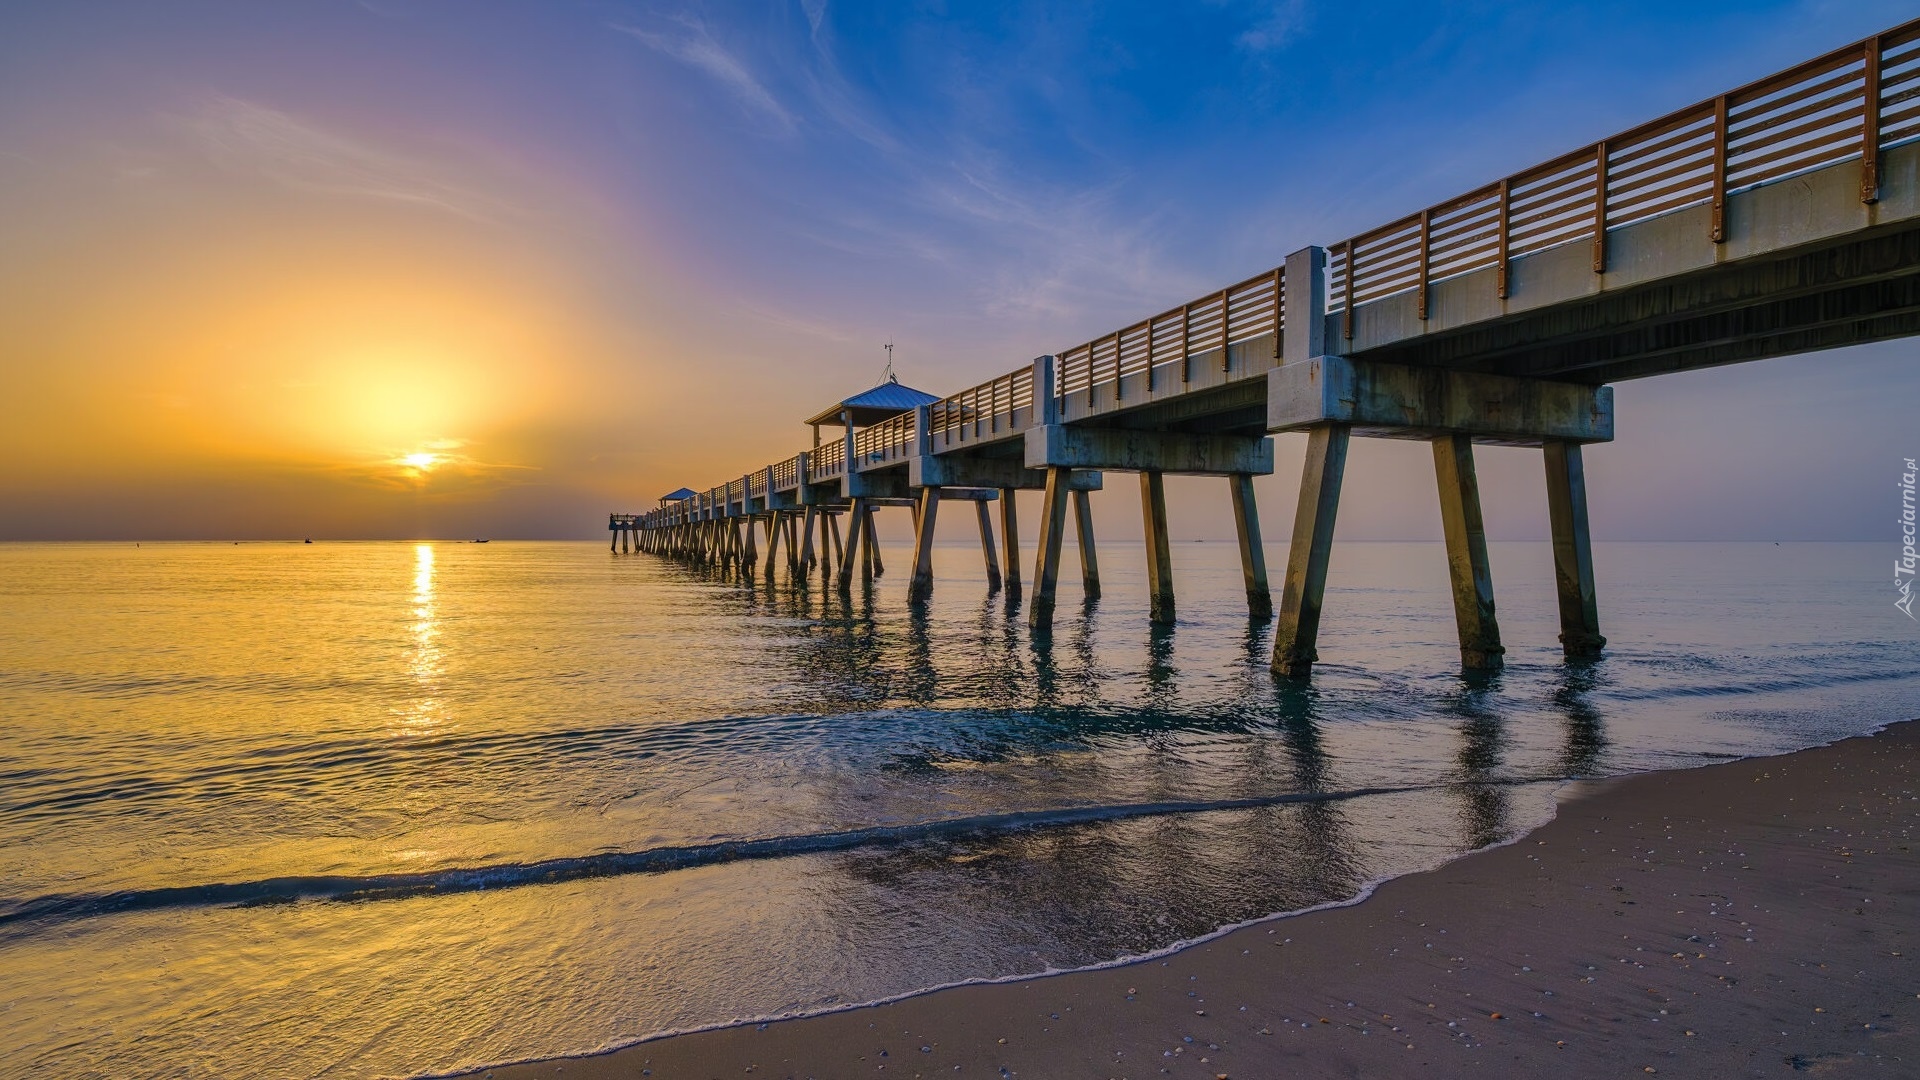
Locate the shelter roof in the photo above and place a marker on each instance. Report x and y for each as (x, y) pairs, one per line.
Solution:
(887, 400)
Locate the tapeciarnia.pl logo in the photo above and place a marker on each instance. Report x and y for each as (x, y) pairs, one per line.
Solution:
(1904, 566)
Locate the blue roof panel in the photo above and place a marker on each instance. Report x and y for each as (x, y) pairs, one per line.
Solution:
(872, 406)
(890, 395)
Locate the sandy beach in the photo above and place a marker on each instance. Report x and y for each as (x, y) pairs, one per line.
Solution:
(1755, 918)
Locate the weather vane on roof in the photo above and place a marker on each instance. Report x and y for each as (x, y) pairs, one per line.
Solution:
(890, 376)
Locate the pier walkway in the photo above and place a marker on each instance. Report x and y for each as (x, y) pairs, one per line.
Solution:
(1777, 218)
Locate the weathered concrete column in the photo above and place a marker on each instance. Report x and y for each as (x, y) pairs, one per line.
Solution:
(749, 551)
(806, 541)
(875, 566)
(920, 586)
(851, 556)
(773, 541)
(1010, 539)
(1046, 568)
(825, 555)
(986, 545)
(1480, 648)
(1311, 550)
(1153, 505)
(1253, 557)
(1089, 556)
(1572, 550)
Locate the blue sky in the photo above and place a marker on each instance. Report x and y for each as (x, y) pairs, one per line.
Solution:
(694, 223)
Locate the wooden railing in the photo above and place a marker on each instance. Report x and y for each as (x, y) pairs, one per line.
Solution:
(1851, 103)
(1235, 313)
(883, 443)
(786, 475)
(996, 409)
(827, 461)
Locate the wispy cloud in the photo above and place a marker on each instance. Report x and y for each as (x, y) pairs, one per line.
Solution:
(1065, 250)
(245, 137)
(816, 11)
(692, 44)
(1277, 27)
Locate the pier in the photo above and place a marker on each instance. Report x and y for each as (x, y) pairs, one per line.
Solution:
(1777, 218)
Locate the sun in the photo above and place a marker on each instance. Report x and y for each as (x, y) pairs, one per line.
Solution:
(419, 464)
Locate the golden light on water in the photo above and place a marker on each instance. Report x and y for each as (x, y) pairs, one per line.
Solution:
(423, 713)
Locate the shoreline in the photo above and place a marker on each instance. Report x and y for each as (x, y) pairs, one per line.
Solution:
(1362, 990)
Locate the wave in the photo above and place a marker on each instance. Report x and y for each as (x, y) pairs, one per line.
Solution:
(22, 916)
(897, 736)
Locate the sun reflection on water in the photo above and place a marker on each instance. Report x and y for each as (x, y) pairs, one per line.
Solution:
(423, 713)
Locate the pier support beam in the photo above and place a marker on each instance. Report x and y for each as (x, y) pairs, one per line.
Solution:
(1311, 550)
(1089, 556)
(874, 567)
(773, 541)
(1153, 506)
(1253, 556)
(856, 526)
(986, 546)
(1051, 445)
(1046, 568)
(1010, 540)
(920, 586)
(1397, 401)
(1572, 551)
(806, 541)
(828, 566)
(1466, 533)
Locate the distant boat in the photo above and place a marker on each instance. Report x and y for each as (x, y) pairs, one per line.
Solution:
(308, 540)
(480, 541)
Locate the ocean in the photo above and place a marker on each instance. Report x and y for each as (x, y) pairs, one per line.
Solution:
(397, 809)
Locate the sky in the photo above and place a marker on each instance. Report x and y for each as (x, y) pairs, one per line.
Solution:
(415, 269)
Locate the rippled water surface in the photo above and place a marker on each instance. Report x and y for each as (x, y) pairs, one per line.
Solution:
(392, 809)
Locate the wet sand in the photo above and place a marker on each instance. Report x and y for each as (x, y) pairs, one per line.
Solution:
(1756, 918)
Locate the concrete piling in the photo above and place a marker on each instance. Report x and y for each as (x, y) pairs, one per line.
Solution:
(1046, 570)
(1089, 555)
(1310, 551)
(920, 586)
(986, 546)
(1572, 550)
(1467, 565)
(1153, 505)
(806, 543)
(856, 527)
(1010, 540)
(1253, 557)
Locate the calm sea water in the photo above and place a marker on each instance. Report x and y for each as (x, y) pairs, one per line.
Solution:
(393, 809)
